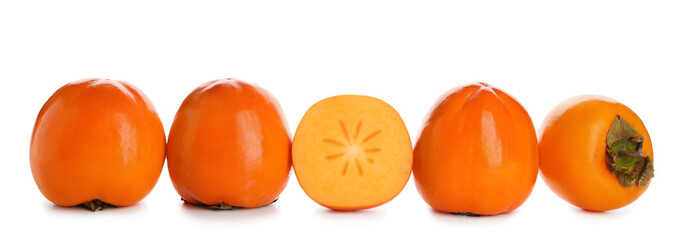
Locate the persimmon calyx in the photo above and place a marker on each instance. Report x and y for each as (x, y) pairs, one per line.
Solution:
(96, 205)
(221, 206)
(624, 155)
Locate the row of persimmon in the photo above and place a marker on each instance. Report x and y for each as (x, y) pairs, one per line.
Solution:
(99, 143)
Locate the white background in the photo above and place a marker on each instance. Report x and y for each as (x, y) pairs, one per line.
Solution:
(407, 53)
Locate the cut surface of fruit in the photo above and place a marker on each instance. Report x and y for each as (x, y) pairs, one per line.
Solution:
(352, 152)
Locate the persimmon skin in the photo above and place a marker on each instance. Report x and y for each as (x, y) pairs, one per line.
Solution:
(477, 152)
(97, 139)
(573, 151)
(229, 144)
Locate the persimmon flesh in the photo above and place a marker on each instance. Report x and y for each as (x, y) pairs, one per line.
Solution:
(477, 153)
(229, 146)
(595, 153)
(352, 152)
(97, 142)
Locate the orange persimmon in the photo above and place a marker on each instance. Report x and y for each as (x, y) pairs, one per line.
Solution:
(229, 146)
(477, 153)
(352, 152)
(595, 153)
(97, 142)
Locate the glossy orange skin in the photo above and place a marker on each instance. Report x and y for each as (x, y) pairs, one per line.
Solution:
(573, 152)
(97, 139)
(477, 153)
(229, 144)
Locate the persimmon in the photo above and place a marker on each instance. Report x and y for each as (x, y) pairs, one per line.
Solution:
(352, 152)
(595, 153)
(477, 152)
(229, 146)
(97, 142)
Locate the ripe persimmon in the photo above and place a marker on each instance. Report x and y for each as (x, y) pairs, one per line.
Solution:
(97, 142)
(229, 146)
(352, 152)
(595, 153)
(477, 153)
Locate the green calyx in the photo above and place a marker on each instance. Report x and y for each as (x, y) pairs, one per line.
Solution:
(624, 155)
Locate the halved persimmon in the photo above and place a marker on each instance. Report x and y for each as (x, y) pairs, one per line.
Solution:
(97, 142)
(477, 153)
(595, 153)
(352, 152)
(229, 146)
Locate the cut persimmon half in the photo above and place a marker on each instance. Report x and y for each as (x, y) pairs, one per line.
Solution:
(352, 152)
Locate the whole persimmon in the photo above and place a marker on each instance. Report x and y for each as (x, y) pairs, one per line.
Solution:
(477, 153)
(229, 146)
(97, 142)
(595, 153)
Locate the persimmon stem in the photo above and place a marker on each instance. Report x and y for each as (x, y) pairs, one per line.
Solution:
(625, 156)
(96, 205)
(221, 206)
(467, 214)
